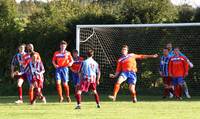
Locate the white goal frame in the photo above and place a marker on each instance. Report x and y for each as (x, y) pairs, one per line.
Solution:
(78, 27)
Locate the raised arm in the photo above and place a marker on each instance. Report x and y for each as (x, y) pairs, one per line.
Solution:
(140, 56)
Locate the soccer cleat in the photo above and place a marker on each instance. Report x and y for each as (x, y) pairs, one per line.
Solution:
(171, 95)
(179, 98)
(188, 96)
(44, 100)
(61, 99)
(113, 98)
(19, 102)
(98, 106)
(78, 107)
(134, 100)
(68, 99)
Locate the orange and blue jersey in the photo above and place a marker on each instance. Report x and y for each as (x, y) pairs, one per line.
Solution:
(75, 69)
(89, 70)
(18, 61)
(178, 66)
(164, 62)
(63, 59)
(128, 63)
(76, 64)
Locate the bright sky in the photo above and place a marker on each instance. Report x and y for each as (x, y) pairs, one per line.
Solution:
(194, 3)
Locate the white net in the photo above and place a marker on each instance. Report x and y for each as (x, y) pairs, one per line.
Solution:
(144, 39)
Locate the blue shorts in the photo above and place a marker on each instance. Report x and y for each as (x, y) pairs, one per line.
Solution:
(130, 77)
(177, 81)
(62, 74)
(76, 79)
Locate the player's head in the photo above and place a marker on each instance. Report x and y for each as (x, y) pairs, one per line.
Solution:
(169, 46)
(165, 51)
(63, 45)
(21, 48)
(30, 48)
(124, 50)
(176, 51)
(75, 53)
(90, 53)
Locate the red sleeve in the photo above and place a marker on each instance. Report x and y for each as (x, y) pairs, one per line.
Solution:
(119, 67)
(70, 58)
(170, 67)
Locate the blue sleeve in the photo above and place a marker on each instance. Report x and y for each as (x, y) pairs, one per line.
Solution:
(161, 65)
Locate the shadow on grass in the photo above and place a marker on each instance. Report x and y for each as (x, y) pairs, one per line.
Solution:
(103, 98)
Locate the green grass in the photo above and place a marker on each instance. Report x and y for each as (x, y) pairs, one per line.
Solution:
(146, 108)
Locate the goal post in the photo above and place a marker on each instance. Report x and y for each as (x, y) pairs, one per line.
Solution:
(107, 40)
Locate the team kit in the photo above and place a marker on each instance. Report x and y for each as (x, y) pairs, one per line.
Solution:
(27, 65)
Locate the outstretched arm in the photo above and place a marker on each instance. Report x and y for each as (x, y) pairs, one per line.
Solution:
(145, 56)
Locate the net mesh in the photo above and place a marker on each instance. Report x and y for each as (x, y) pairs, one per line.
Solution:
(107, 42)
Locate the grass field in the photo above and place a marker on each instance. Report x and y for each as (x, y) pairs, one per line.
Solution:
(146, 108)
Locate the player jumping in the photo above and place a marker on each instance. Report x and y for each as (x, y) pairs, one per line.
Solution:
(126, 71)
(75, 68)
(62, 59)
(89, 78)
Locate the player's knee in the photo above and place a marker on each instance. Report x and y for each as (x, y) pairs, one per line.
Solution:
(58, 82)
(94, 91)
(79, 92)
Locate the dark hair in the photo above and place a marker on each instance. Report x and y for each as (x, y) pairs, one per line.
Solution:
(63, 42)
(90, 53)
(125, 46)
(75, 51)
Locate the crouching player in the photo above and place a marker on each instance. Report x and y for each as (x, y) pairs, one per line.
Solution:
(35, 69)
(89, 78)
(168, 88)
(126, 71)
(75, 68)
(178, 69)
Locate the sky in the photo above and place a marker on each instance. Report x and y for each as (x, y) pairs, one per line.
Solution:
(193, 3)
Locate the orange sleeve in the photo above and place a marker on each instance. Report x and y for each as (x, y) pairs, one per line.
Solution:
(70, 58)
(119, 67)
(138, 56)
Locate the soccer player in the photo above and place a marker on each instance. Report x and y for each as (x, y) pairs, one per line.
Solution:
(35, 69)
(89, 78)
(164, 73)
(75, 68)
(17, 61)
(126, 71)
(62, 59)
(178, 69)
(171, 53)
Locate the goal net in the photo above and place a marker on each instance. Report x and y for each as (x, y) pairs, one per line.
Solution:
(107, 40)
